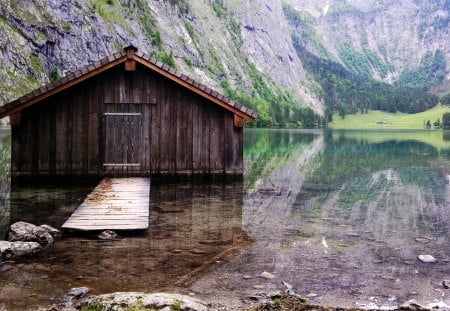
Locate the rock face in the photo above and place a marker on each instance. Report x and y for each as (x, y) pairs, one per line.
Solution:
(41, 39)
(26, 232)
(128, 300)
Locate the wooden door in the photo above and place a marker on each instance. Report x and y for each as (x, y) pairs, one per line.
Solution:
(126, 139)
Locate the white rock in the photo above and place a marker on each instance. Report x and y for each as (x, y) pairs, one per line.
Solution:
(412, 304)
(159, 301)
(26, 232)
(267, 275)
(427, 258)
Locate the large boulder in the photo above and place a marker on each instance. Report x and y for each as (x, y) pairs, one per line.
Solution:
(9, 250)
(26, 232)
(132, 300)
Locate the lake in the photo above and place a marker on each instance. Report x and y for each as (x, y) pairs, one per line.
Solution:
(340, 216)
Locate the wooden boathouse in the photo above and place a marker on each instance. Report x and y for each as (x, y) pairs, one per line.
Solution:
(126, 115)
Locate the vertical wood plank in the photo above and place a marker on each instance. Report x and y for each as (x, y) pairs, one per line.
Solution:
(77, 133)
(188, 106)
(229, 143)
(165, 147)
(52, 138)
(196, 137)
(146, 131)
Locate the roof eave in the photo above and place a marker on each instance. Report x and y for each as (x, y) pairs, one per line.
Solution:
(190, 84)
(55, 87)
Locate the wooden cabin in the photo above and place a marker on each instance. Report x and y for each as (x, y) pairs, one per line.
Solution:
(126, 115)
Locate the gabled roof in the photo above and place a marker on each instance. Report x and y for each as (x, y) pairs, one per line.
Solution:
(128, 54)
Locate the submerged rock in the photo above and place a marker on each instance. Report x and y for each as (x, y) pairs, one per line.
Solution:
(267, 275)
(25, 248)
(412, 305)
(78, 292)
(427, 258)
(26, 232)
(9, 250)
(127, 300)
(108, 235)
(55, 233)
(6, 250)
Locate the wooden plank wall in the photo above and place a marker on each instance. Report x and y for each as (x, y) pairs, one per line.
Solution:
(182, 133)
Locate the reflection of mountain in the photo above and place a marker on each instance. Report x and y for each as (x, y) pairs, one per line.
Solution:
(274, 175)
(351, 166)
(5, 151)
(342, 218)
(267, 151)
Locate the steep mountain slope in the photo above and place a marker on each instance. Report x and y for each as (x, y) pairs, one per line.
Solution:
(247, 49)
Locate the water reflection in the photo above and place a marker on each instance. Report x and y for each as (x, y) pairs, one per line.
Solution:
(5, 181)
(342, 217)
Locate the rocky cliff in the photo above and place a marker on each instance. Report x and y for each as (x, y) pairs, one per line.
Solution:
(239, 47)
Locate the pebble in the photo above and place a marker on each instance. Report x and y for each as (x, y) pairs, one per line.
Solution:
(177, 251)
(258, 287)
(446, 284)
(422, 240)
(311, 295)
(247, 277)
(267, 275)
(427, 258)
(197, 251)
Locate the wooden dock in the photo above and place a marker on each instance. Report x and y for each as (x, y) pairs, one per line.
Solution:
(115, 204)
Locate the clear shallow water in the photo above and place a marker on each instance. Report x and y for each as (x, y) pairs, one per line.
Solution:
(342, 215)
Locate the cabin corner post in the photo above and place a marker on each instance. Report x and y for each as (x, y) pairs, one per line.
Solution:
(238, 121)
(15, 118)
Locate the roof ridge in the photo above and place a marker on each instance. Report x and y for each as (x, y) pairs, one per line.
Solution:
(102, 62)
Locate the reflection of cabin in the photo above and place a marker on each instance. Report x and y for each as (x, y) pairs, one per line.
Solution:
(126, 114)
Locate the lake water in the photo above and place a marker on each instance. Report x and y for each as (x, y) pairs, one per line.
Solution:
(341, 216)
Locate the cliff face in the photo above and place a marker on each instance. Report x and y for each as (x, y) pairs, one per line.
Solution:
(218, 41)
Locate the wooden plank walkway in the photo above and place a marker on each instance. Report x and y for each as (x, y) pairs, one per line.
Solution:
(115, 204)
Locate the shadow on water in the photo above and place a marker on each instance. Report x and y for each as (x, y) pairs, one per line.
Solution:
(192, 227)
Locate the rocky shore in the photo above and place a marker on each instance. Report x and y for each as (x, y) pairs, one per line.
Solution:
(134, 301)
(24, 238)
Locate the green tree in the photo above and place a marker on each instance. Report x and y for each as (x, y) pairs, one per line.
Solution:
(446, 121)
(437, 123)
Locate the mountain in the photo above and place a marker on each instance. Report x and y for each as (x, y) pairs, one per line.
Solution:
(292, 61)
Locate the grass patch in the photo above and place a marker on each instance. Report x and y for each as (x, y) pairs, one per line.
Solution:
(7, 24)
(375, 119)
(166, 58)
(36, 63)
